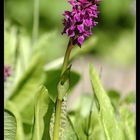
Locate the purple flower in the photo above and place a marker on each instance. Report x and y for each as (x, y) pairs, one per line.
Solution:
(80, 28)
(79, 22)
(80, 40)
(7, 72)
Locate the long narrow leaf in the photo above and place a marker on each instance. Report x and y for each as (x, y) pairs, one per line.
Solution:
(43, 109)
(112, 128)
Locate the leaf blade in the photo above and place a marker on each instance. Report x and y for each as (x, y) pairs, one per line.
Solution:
(112, 128)
(10, 125)
(42, 103)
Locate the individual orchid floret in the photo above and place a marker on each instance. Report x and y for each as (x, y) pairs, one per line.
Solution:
(7, 72)
(79, 22)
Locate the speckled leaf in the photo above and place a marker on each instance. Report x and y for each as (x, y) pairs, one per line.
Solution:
(9, 125)
(10, 106)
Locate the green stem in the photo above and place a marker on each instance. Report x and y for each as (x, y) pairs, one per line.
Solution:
(58, 101)
(66, 58)
(57, 120)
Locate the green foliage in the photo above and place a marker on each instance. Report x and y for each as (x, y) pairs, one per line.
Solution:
(26, 85)
(29, 107)
(70, 133)
(63, 85)
(43, 110)
(19, 126)
(10, 125)
(128, 122)
(53, 77)
(80, 119)
(26, 89)
(111, 125)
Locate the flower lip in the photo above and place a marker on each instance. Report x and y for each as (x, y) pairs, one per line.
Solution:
(80, 28)
(70, 32)
(80, 40)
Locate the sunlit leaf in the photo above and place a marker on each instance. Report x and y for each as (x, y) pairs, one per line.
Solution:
(43, 110)
(27, 85)
(111, 126)
(128, 122)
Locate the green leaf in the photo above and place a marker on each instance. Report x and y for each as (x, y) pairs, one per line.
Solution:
(128, 122)
(9, 125)
(70, 133)
(26, 88)
(53, 77)
(12, 108)
(27, 85)
(43, 110)
(111, 126)
(80, 117)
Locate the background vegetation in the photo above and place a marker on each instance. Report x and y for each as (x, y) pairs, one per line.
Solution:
(34, 48)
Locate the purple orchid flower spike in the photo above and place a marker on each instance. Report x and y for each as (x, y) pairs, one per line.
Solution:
(79, 22)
